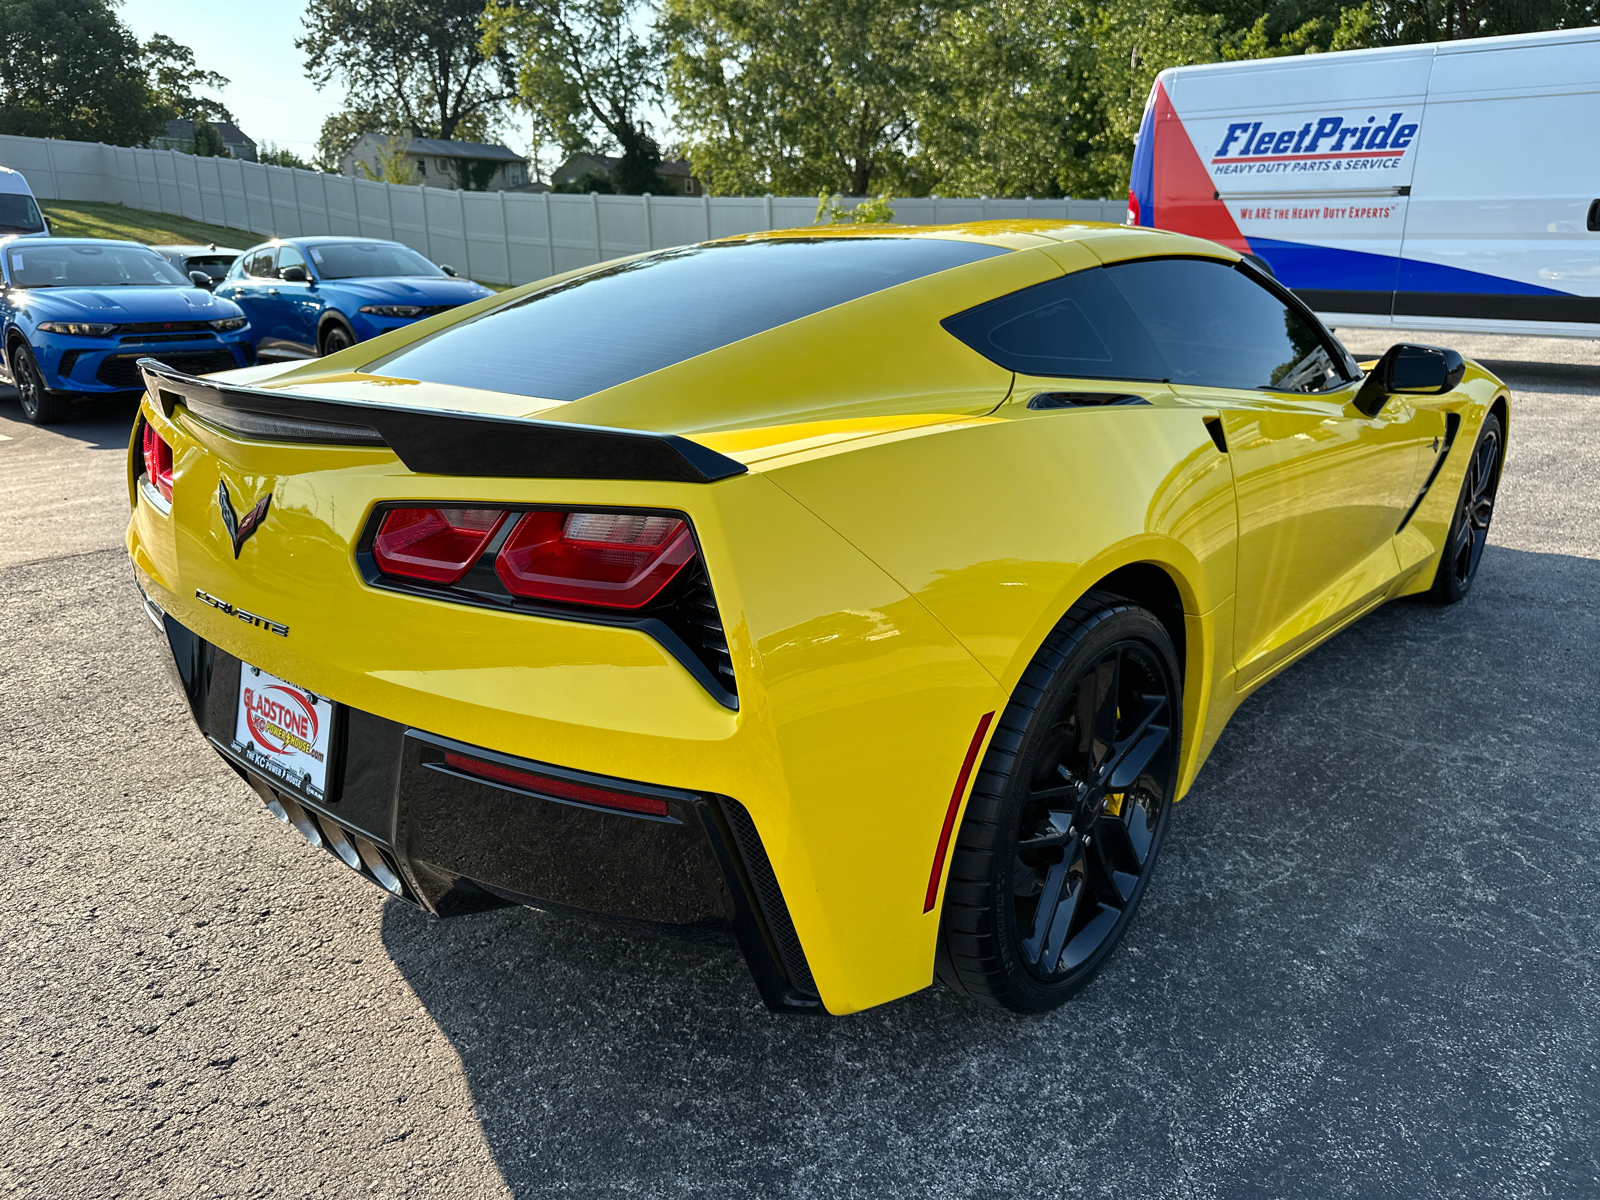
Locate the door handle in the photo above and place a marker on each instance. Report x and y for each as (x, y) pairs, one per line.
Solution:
(1594, 217)
(272, 291)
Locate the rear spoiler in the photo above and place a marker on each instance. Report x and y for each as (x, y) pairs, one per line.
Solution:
(441, 441)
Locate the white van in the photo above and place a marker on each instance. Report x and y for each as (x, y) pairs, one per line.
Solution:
(1451, 186)
(19, 211)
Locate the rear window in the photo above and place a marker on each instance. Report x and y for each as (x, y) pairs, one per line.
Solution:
(214, 265)
(19, 214)
(603, 329)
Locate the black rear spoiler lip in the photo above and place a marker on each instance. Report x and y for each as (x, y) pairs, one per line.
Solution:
(438, 441)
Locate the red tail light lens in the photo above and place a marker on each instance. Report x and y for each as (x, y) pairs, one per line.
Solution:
(436, 545)
(157, 461)
(564, 789)
(615, 559)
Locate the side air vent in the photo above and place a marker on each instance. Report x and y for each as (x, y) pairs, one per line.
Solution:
(1084, 399)
(770, 895)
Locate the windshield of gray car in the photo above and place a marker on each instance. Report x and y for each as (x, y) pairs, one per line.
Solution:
(359, 260)
(621, 322)
(19, 214)
(53, 264)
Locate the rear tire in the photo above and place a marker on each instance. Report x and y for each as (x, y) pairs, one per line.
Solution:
(39, 406)
(1469, 527)
(1068, 812)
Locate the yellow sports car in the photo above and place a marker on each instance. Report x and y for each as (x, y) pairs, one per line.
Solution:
(871, 592)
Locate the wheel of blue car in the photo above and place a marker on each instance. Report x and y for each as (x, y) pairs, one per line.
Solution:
(1469, 525)
(1068, 811)
(336, 336)
(38, 405)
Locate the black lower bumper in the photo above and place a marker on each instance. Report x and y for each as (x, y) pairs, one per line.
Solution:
(398, 811)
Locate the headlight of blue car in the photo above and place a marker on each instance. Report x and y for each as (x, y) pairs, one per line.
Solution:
(391, 310)
(76, 328)
(228, 324)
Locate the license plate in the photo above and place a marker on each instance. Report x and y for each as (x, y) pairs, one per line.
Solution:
(284, 731)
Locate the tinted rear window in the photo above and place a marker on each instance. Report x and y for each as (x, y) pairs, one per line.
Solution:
(629, 320)
(1078, 325)
(1185, 320)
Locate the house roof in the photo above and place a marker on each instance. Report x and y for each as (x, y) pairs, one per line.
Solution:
(583, 161)
(182, 129)
(449, 148)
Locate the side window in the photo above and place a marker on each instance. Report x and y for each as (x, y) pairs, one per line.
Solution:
(1217, 327)
(288, 256)
(259, 264)
(1078, 326)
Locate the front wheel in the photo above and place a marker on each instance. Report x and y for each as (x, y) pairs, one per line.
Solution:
(336, 337)
(1469, 527)
(1068, 811)
(39, 406)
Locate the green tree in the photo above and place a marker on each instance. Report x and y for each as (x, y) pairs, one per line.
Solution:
(208, 141)
(282, 156)
(174, 75)
(796, 96)
(587, 75)
(71, 69)
(419, 66)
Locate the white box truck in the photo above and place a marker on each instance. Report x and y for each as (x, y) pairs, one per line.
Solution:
(1449, 186)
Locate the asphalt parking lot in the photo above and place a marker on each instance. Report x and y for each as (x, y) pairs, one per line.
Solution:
(1367, 966)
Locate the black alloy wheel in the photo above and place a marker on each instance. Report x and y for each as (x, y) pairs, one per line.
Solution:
(336, 337)
(1469, 527)
(1068, 811)
(38, 405)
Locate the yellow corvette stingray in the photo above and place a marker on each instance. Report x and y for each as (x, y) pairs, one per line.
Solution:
(873, 593)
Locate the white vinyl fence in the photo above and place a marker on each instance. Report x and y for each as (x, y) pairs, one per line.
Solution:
(495, 237)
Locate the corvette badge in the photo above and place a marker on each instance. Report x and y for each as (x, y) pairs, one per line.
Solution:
(240, 528)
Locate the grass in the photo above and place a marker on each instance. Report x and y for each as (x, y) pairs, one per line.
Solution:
(87, 218)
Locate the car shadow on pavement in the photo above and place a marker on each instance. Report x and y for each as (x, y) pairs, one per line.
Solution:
(99, 424)
(1365, 965)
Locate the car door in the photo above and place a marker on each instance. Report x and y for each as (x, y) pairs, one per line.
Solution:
(255, 292)
(299, 306)
(1322, 486)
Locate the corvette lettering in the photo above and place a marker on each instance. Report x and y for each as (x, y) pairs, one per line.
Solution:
(249, 618)
(1319, 139)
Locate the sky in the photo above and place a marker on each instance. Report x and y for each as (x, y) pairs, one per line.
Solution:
(253, 45)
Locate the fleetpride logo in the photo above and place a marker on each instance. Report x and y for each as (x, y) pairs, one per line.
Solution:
(1321, 139)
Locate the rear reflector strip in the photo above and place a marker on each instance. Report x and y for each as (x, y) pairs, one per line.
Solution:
(559, 789)
(950, 814)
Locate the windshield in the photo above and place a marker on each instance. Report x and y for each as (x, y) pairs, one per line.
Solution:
(43, 264)
(621, 322)
(360, 260)
(19, 214)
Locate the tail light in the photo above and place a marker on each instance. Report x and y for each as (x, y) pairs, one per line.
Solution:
(615, 560)
(157, 462)
(436, 545)
(562, 789)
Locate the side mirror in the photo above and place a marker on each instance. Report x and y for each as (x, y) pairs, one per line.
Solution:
(1410, 370)
(294, 275)
(448, 269)
(201, 280)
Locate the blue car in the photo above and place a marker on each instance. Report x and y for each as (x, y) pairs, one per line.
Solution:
(318, 295)
(76, 315)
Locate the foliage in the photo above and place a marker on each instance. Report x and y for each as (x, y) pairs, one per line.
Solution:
(794, 96)
(874, 211)
(208, 141)
(474, 174)
(419, 66)
(391, 163)
(87, 218)
(281, 156)
(592, 180)
(587, 75)
(174, 75)
(71, 69)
